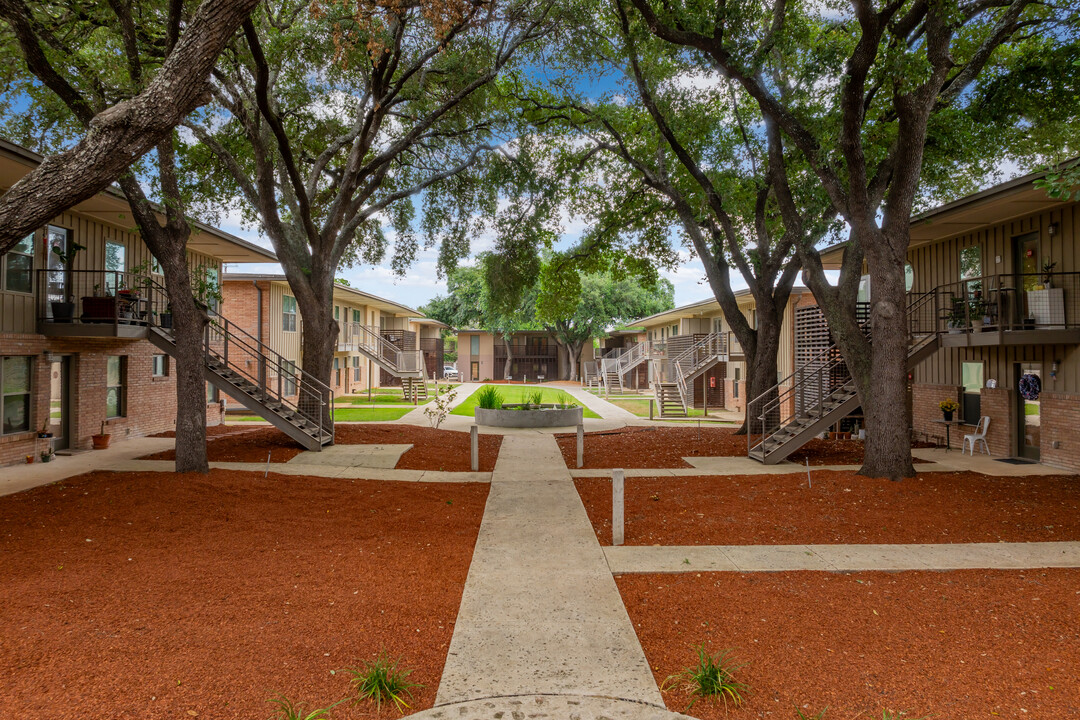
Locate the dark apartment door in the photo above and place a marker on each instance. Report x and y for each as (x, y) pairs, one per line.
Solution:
(1026, 260)
(1028, 388)
(59, 402)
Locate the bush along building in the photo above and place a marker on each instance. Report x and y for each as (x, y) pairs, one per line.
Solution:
(85, 326)
(381, 343)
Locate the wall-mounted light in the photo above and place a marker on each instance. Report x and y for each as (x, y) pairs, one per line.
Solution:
(1053, 229)
(1054, 369)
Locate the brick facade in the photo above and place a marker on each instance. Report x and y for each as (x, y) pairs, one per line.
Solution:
(925, 411)
(732, 402)
(1060, 418)
(997, 404)
(150, 402)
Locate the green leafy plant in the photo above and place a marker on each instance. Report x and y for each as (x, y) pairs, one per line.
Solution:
(288, 710)
(438, 410)
(381, 680)
(800, 715)
(948, 405)
(68, 258)
(535, 398)
(1048, 270)
(713, 677)
(489, 398)
(563, 401)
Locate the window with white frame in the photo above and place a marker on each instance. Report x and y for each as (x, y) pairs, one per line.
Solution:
(288, 314)
(115, 386)
(115, 265)
(288, 385)
(18, 266)
(15, 393)
(356, 368)
(160, 366)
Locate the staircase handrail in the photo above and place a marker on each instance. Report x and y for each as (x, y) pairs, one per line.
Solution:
(633, 356)
(370, 338)
(307, 385)
(814, 370)
(693, 358)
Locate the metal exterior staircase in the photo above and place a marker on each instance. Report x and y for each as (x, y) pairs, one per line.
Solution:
(241, 366)
(416, 389)
(820, 393)
(685, 368)
(591, 375)
(369, 342)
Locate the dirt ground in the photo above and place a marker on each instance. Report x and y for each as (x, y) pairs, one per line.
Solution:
(943, 645)
(433, 449)
(155, 595)
(841, 507)
(665, 447)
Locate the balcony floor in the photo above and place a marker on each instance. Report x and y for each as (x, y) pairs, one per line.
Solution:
(989, 338)
(78, 329)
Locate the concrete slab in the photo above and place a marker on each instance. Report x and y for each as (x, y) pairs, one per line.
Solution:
(629, 559)
(548, 707)
(765, 558)
(368, 456)
(16, 478)
(540, 612)
(869, 557)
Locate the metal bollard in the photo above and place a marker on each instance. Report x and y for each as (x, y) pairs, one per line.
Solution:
(618, 482)
(581, 446)
(474, 447)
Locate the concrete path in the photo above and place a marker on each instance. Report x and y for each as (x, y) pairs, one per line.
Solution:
(842, 558)
(548, 707)
(540, 613)
(329, 471)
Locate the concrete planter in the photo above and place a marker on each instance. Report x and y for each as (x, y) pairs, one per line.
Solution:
(543, 417)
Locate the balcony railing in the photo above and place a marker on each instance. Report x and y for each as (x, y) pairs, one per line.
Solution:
(1008, 302)
(100, 297)
(526, 350)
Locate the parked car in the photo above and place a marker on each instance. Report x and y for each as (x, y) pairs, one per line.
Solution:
(449, 372)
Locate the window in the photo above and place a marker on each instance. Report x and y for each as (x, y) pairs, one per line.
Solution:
(356, 368)
(160, 366)
(674, 330)
(212, 394)
(115, 382)
(718, 325)
(356, 316)
(288, 385)
(337, 312)
(909, 277)
(971, 267)
(288, 314)
(115, 265)
(337, 371)
(474, 345)
(735, 386)
(15, 397)
(19, 267)
(971, 377)
(213, 288)
(155, 266)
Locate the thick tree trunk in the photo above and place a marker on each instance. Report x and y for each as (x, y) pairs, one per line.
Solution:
(121, 134)
(509, 359)
(573, 356)
(888, 426)
(189, 323)
(761, 377)
(315, 300)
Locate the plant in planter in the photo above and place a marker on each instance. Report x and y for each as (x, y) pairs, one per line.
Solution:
(101, 440)
(47, 455)
(489, 398)
(64, 311)
(948, 406)
(957, 319)
(44, 433)
(1048, 273)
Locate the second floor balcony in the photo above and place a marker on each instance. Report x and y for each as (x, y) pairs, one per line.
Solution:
(99, 303)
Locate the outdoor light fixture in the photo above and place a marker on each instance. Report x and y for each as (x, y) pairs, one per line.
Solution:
(1054, 369)
(1052, 230)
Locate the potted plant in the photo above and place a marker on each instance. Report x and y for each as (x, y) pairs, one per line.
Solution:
(101, 440)
(30, 459)
(165, 318)
(47, 455)
(948, 406)
(43, 433)
(957, 318)
(64, 311)
(1048, 273)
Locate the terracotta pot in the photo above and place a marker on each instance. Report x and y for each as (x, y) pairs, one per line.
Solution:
(29, 459)
(101, 442)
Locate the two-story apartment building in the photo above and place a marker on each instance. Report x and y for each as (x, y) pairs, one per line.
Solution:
(377, 342)
(78, 298)
(535, 356)
(722, 382)
(996, 278)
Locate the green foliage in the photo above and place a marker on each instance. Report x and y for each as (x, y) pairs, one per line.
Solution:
(713, 677)
(800, 715)
(288, 710)
(380, 680)
(535, 398)
(489, 398)
(437, 411)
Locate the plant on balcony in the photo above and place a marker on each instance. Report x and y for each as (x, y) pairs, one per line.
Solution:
(64, 310)
(1048, 272)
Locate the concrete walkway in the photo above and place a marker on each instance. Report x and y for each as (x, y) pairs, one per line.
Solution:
(842, 558)
(540, 613)
(313, 470)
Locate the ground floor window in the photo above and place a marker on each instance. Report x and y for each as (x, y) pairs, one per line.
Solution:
(971, 376)
(356, 369)
(116, 386)
(288, 368)
(337, 371)
(160, 366)
(15, 384)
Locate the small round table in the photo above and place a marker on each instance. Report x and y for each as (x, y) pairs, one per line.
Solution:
(948, 424)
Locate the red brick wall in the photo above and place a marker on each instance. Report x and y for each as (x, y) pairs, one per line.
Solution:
(997, 404)
(150, 402)
(925, 410)
(732, 402)
(1060, 418)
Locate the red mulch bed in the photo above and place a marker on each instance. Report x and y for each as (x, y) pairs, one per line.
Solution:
(665, 447)
(156, 595)
(842, 507)
(432, 449)
(948, 645)
(214, 431)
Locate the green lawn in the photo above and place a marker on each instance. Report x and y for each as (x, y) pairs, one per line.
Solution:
(365, 414)
(640, 407)
(386, 395)
(516, 394)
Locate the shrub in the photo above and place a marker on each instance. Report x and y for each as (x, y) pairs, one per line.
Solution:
(381, 681)
(489, 398)
(564, 401)
(535, 398)
(287, 710)
(713, 677)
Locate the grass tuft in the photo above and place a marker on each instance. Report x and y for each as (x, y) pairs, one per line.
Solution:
(380, 680)
(288, 710)
(713, 677)
(800, 715)
(489, 398)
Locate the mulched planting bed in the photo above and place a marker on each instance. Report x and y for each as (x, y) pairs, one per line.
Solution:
(156, 595)
(842, 507)
(665, 447)
(432, 449)
(948, 645)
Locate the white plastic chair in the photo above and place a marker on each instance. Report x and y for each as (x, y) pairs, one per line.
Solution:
(979, 434)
